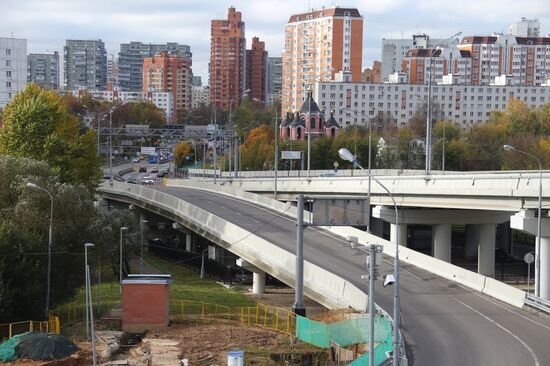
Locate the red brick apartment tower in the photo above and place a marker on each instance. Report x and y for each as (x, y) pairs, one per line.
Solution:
(317, 45)
(169, 73)
(256, 65)
(227, 60)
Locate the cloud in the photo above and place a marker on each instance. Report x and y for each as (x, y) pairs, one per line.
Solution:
(46, 24)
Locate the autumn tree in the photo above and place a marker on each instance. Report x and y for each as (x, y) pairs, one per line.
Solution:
(38, 125)
(182, 150)
(258, 150)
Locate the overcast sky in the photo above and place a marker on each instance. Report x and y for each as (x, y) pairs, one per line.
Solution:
(46, 24)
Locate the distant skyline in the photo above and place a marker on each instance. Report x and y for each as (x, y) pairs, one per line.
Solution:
(46, 24)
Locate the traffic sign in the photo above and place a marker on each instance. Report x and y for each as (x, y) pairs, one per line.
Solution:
(529, 258)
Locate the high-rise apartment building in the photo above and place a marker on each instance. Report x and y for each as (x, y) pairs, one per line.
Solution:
(395, 50)
(525, 28)
(13, 68)
(130, 61)
(85, 64)
(274, 79)
(256, 66)
(43, 69)
(227, 60)
(520, 60)
(450, 65)
(166, 72)
(112, 72)
(319, 44)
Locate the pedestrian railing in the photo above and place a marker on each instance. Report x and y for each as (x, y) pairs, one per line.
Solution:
(8, 330)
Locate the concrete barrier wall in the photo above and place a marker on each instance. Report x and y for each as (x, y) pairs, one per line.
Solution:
(319, 284)
(475, 281)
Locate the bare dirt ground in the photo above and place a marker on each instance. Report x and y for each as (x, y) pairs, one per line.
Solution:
(207, 344)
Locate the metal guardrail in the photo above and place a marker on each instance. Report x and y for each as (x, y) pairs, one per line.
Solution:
(538, 303)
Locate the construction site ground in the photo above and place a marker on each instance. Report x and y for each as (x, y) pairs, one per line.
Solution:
(203, 343)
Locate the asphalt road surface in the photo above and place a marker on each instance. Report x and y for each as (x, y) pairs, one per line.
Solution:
(444, 323)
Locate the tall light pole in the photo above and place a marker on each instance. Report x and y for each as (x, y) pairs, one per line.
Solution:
(89, 307)
(537, 248)
(141, 224)
(369, 167)
(122, 229)
(111, 110)
(244, 94)
(429, 111)
(276, 157)
(345, 154)
(50, 232)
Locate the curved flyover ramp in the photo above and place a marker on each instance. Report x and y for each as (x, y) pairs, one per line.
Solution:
(444, 322)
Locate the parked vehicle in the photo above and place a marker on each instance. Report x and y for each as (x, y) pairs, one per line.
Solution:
(131, 180)
(154, 170)
(142, 169)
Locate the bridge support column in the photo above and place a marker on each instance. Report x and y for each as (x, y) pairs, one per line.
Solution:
(402, 228)
(258, 282)
(526, 221)
(472, 238)
(486, 250)
(188, 242)
(441, 234)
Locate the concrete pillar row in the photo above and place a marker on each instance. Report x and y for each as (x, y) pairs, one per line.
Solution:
(402, 233)
(258, 282)
(486, 250)
(441, 234)
(472, 239)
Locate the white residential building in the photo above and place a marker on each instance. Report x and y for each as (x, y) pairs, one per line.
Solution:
(464, 105)
(394, 51)
(163, 100)
(13, 68)
(525, 28)
(200, 95)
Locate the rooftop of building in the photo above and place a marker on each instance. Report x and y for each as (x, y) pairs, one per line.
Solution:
(493, 39)
(322, 13)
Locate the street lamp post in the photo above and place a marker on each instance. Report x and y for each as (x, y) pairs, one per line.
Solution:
(111, 110)
(276, 158)
(429, 111)
(244, 94)
(537, 248)
(50, 232)
(345, 154)
(369, 168)
(141, 224)
(124, 228)
(89, 307)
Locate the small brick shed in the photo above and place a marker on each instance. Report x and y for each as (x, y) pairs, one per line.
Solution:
(145, 302)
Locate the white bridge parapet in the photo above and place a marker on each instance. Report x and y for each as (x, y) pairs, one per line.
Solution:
(478, 282)
(319, 284)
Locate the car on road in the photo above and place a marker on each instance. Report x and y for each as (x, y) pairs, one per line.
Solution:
(131, 180)
(106, 176)
(154, 170)
(161, 174)
(135, 160)
(147, 180)
(142, 169)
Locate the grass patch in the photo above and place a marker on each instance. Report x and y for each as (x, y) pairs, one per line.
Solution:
(187, 285)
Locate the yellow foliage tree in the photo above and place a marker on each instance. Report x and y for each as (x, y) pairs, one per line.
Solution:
(182, 150)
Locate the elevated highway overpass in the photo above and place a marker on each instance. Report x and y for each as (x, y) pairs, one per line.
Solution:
(445, 322)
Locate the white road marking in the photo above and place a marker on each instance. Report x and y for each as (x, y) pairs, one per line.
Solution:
(505, 308)
(537, 363)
